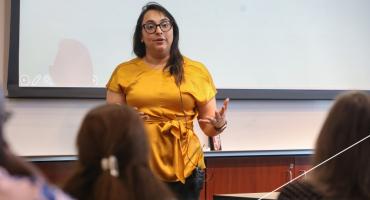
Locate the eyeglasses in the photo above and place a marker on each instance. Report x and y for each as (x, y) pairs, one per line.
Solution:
(151, 27)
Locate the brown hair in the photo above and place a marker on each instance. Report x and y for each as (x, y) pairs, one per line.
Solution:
(114, 130)
(175, 62)
(348, 175)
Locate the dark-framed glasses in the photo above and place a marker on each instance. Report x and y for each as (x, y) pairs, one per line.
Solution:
(151, 27)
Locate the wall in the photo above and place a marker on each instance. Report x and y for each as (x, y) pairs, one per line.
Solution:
(49, 126)
(4, 36)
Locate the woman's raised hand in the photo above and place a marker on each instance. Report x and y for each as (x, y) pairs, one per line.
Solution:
(219, 121)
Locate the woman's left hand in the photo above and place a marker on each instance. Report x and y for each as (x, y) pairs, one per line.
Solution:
(219, 120)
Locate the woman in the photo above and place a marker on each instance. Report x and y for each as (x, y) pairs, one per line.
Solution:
(169, 91)
(18, 179)
(113, 158)
(346, 176)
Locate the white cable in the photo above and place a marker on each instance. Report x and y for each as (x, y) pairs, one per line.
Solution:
(318, 165)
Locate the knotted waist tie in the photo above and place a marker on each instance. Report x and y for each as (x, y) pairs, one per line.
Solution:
(179, 129)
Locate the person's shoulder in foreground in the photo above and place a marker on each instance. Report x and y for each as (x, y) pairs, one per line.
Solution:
(299, 190)
(22, 188)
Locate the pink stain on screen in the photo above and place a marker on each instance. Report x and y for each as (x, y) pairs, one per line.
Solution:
(72, 65)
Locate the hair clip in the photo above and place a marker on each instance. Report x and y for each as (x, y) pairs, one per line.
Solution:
(110, 164)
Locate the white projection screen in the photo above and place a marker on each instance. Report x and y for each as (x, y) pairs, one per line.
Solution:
(257, 49)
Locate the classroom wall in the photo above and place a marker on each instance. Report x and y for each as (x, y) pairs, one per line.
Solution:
(49, 126)
(4, 24)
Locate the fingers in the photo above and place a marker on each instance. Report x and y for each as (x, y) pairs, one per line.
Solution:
(217, 115)
(226, 103)
(208, 120)
(224, 107)
(214, 121)
(221, 111)
(204, 121)
(142, 114)
(145, 117)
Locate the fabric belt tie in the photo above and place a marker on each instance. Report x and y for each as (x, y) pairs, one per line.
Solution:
(178, 129)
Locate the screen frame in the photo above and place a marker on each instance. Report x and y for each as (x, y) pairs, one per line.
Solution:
(96, 93)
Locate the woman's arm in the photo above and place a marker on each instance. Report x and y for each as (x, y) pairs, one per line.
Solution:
(211, 120)
(120, 98)
(115, 98)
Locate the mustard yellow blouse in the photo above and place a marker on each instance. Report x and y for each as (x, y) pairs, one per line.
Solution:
(175, 148)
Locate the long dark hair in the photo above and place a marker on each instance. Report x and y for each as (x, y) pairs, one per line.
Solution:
(348, 175)
(114, 130)
(175, 62)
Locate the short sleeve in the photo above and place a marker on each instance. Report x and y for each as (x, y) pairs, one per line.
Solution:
(113, 83)
(203, 84)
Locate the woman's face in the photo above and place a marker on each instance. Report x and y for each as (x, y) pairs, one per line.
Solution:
(159, 42)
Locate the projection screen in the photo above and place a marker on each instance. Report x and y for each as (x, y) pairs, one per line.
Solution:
(254, 49)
